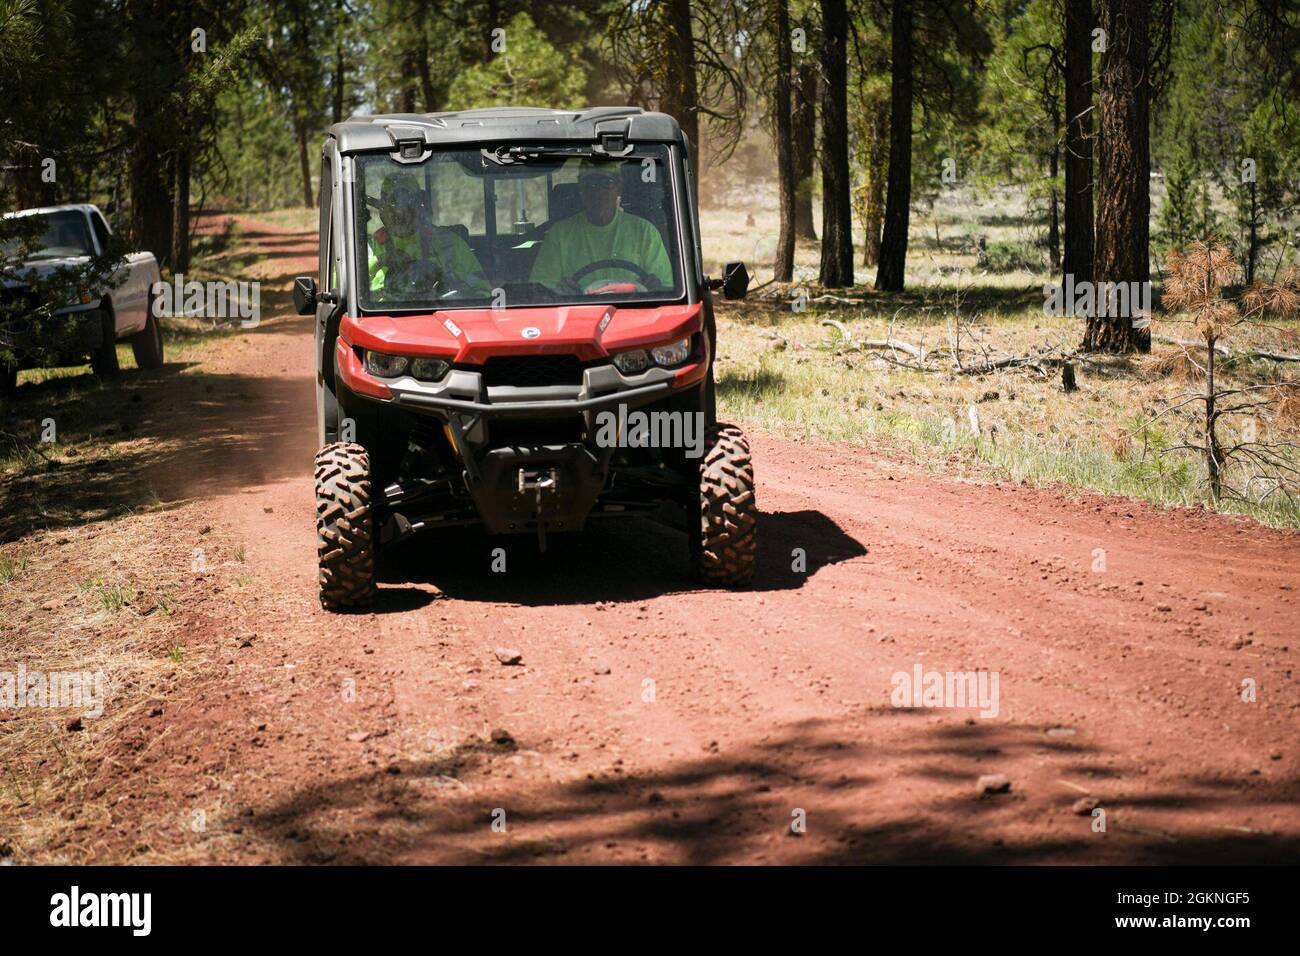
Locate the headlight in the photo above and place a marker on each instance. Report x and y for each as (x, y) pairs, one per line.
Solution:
(629, 363)
(674, 354)
(385, 366)
(429, 369)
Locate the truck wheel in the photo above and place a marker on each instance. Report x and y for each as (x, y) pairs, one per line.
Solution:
(147, 344)
(345, 527)
(725, 544)
(103, 361)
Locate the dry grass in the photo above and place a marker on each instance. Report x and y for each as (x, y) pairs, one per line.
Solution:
(1173, 363)
(304, 218)
(1288, 406)
(783, 371)
(941, 252)
(118, 598)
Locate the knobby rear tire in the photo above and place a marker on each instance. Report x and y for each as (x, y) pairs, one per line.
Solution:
(726, 542)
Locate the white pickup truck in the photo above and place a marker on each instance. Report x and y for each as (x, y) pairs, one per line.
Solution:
(104, 317)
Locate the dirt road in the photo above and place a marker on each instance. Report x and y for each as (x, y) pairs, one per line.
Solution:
(654, 721)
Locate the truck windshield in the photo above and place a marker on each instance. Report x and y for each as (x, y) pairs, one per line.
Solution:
(464, 230)
(65, 235)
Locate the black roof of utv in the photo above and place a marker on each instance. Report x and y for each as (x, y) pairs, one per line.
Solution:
(504, 125)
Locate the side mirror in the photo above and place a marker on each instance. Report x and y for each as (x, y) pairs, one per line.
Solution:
(304, 295)
(735, 282)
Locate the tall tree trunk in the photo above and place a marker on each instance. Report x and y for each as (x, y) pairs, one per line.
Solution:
(1123, 173)
(340, 21)
(151, 205)
(837, 204)
(873, 200)
(336, 110)
(150, 167)
(410, 75)
(1053, 213)
(1078, 140)
(428, 93)
(493, 17)
(1252, 243)
(783, 268)
(1213, 451)
(300, 130)
(805, 145)
(898, 198)
(681, 98)
(181, 210)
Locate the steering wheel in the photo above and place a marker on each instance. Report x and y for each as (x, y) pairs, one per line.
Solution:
(646, 279)
(418, 275)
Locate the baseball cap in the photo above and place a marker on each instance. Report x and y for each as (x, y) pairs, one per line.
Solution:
(590, 169)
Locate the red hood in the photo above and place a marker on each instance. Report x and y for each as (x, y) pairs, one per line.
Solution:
(473, 335)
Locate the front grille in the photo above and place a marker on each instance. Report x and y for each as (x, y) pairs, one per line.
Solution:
(532, 371)
(517, 432)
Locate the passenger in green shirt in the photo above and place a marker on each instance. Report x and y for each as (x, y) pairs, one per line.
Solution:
(414, 259)
(602, 231)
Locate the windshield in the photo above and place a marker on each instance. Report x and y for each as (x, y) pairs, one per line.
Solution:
(66, 235)
(465, 230)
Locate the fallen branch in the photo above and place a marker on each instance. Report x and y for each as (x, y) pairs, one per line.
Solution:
(1036, 362)
(1039, 363)
(834, 299)
(1227, 352)
(890, 345)
(1185, 343)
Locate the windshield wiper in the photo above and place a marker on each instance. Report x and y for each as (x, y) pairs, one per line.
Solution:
(509, 155)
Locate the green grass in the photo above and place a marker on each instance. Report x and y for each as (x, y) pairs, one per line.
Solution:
(109, 596)
(183, 340)
(36, 376)
(1030, 431)
(12, 568)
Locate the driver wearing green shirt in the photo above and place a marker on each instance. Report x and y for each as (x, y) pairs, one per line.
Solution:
(602, 231)
(410, 256)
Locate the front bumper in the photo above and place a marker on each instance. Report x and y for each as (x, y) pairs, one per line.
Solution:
(602, 387)
(462, 390)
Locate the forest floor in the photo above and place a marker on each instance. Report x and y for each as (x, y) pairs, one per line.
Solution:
(1146, 709)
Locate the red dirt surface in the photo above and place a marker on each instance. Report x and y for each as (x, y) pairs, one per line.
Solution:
(654, 721)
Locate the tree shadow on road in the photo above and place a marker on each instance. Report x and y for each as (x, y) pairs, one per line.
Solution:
(628, 559)
(869, 796)
(149, 440)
